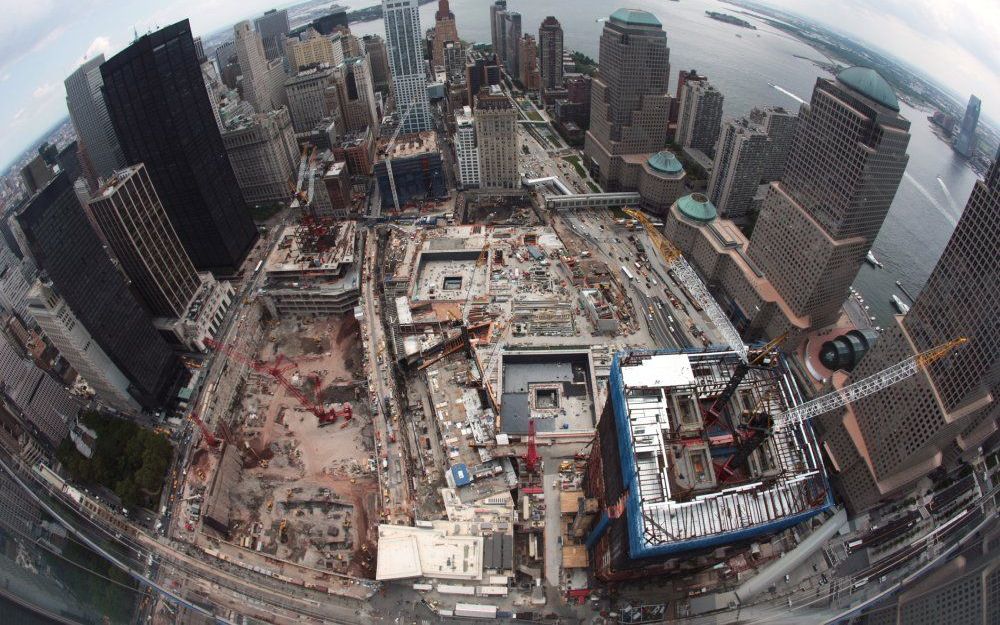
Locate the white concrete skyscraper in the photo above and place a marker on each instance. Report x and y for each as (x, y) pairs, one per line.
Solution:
(90, 118)
(405, 42)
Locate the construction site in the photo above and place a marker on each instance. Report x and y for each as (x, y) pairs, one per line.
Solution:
(284, 480)
(291, 478)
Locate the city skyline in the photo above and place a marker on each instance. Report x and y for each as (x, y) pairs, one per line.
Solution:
(62, 37)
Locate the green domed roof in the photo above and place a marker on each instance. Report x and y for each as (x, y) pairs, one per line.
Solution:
(870, 83)
(635, 17)
(665, 162)
(697, 208)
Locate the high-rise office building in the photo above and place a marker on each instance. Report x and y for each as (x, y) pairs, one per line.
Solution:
(550, 53)
(497, 11)
(264, 155)
(818, 222)
(739, 163)
(882, 444)
(496, 140)
(89, 115)
(129, 214)
(465, 148)
(530, 79)
(273, 28)
(355, 88)
(378, 59)
(253, 63)
(965, 142)
(36, 174)
(68, 335)
(186, 307)
(65, 246)
(444, 31)
(700, 116)
(312, 49)
(404, 41)
(512, 43)
(225, 53)
(163, 118)
(780, 125)
(454, 62)
(312, 96)
(629, 102)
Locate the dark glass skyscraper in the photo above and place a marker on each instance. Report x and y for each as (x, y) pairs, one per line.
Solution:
(162, 115)
(965, 142)
(65, 246)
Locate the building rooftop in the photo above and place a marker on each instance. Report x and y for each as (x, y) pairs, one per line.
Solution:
(870, 84)
(697, 207)
(493, 103)
(635, 17)
(665, 162)
(406, 552)
(318, 251)
(413, 145)
(687, 490)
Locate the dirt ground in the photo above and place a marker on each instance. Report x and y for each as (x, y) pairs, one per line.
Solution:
(308, 492)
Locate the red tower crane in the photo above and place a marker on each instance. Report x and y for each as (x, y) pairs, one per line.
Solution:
(210, 439)
(277, 372)
(531, 458)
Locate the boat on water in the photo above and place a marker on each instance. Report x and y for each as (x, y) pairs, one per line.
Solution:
(874, 262)
(900, 305)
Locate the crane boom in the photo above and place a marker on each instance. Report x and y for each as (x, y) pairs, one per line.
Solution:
(865, 386)
(686, 274)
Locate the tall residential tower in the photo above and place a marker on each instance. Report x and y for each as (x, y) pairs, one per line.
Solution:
(550, 53)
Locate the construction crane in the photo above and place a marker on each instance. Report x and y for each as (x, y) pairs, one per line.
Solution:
(686, 274)
(387, 157)
(760, 425)
(866, 386)
(531, 457)
(277, 372)
(210, 438)
(720, 403)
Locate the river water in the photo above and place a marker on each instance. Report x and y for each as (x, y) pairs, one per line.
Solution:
(741, 62)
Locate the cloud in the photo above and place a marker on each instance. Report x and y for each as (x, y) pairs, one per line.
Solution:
(100, 45)
(5, 77)
(42, 91)
(19, 114)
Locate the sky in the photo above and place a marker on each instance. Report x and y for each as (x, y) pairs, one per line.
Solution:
(955, 42)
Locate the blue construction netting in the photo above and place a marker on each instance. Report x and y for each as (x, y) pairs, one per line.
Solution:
(639, 548)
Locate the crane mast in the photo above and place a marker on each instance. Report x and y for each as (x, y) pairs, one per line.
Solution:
(387, 157)
(686, 274)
